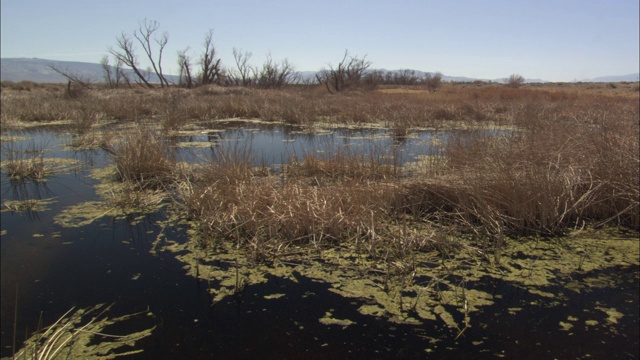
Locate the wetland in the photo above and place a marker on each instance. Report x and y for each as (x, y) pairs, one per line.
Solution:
(474, 223)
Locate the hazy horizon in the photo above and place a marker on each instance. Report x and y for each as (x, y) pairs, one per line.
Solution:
(550, 40)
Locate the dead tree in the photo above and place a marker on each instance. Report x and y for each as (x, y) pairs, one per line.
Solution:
(349, 73)
(144, 33)
(114, 76)
(184, 64)
(210, 67)
(433, 81)
(514, 80)
(125, 53)
(73, 77)
(274, 74)
(121, 75)
(242, 74)
(108, 70)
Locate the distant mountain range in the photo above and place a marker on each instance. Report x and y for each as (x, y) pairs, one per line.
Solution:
(39, 70)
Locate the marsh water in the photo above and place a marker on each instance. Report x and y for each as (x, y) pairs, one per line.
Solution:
(47, 268)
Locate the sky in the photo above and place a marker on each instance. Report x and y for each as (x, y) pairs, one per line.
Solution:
(554, 40)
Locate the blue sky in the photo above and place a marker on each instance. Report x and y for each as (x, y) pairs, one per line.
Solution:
(556, 40)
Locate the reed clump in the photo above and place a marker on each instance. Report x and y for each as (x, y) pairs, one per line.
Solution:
(343, 165)
(25, 162)
(559, 170)
(144, 157)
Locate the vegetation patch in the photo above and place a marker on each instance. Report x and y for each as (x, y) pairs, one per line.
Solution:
(84, 334)
(119, 200)
(37, 168)
(9, 138)
(328, 319)
(196, 144)
(434, 285)
(29, 205)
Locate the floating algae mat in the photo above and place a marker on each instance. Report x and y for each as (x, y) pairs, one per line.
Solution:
(117, 200)
(459, 291)
(82, 335)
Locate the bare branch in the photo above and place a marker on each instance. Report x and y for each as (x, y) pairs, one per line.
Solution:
(125, 53)
(243, 76)
(210, 67)
(184, 64)
(349, 73)
(73, 77)
(143, 35)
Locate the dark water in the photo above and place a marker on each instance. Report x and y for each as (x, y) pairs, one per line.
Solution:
(110, 261)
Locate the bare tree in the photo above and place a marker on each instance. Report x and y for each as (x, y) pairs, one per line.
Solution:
(184, 64)
(121, 75)
(433, 81)
(348, 73)
(125, 53)
(73, 77)
(143, 34)
(274, 74)
(404, 77)
(514, 80)
(242, 74)
(210, 67)
(108, 72)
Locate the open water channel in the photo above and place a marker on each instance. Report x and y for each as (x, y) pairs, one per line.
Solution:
(48, 268)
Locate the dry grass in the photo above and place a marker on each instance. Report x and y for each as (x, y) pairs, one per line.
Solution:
(144, 157)
(25, 162)
(341, 164)
(569, 155)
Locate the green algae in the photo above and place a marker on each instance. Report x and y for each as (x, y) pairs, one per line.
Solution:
(427, 285)
(83, 334)
(118, 200)
(564, 326)
(613, 314)
(84, 213)
(274, 296)
(328, 319)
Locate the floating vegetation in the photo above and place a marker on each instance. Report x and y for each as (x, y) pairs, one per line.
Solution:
(441, 286)
(329, 320)
(85, 213)
(38, 168)
(9, 138)
(274, 296)
(94, 139)
(82, 335)
(613, 314)
(118, 200)
(196, 144)
(29, 205)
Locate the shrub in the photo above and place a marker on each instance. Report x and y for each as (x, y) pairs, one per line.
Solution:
(514, 80)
